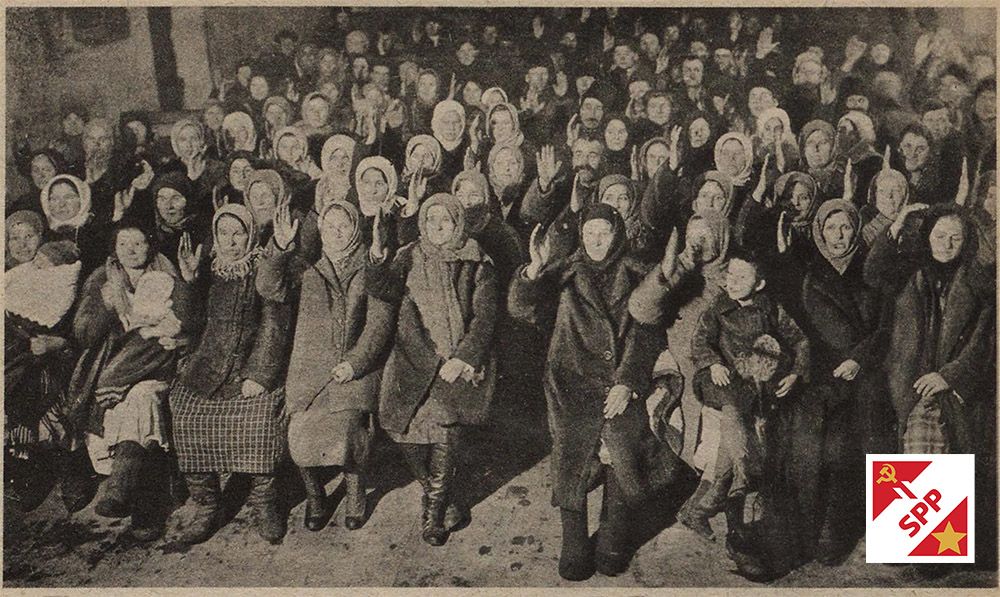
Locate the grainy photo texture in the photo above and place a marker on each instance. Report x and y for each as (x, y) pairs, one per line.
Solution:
(484, 297)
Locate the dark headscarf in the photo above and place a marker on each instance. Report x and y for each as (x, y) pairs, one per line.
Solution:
(619, 246)
(827, 209)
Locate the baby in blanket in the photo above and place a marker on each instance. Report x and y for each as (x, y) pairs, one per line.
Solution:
(151, 311)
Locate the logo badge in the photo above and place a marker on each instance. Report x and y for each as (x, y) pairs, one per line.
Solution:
(920, 508)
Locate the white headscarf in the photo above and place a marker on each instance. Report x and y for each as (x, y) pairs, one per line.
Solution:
(240, 120)
(443, 107)
(391, 180)
(82, 189)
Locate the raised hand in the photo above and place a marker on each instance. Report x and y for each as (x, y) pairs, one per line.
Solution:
(469, 160)
(377, 250)
(758, 192)
(572, 130)
(218, 199)
(343, 373)
(123, 201)
(188, 260)
(963, 183)
(669, 262)
(418, 187)
(539, 250)
(662, 60)
(370, 127)
(548, 167)
(561, 86)
(141, 182)
(452, 87)
(766, 43)
(291, 94)
(779, 153)
(575, 200)
(853, 52)
(827, 92)
(675, 148)
(475, 134)
(784, 237)
(284, 227)
(634, 162)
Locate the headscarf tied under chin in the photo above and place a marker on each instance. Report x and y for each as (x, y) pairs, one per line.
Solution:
(783, 188)
(349, 210)
(477, 217)
(633, 223)
(27, 217)
(180, 125)
(718, 226)
(827, 209)
(82, 189)
(240, 120)
(747, 145)
(437, 123)
(244, 265)
(619, 244)
(430, 281)
(429, 142)
(724, 183)
(517, 137)
(391, 181)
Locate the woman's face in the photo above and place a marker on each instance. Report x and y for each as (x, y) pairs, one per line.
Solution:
(239, 170)
(337, 232)
(22, 242)
(617, 196)
(773, 130)
(710, 196)
(700, 132)
(421, 158)
(231, 238)
(327, 64)
(170, 205)
(340, 163)
(452, 125)
(598, 234)
(732, 158)
(915, 149)
(131, 248)
(373, 188)
(213, 117)
(506, 167)
(501, 125)
(472, 93)
(189, 141)
(819, 149)
(760, 99)
(615, 135)
(440, 225)
(656, 154)
(64, 202)
(262, 201)
(42, 170)
(289, 149)
(427, 88)
(947, 238)
(838, 233)
(800, 199)
(880, 54)
(317, 112)
(469, 194)
(699, 237)
(72, 125)
(889, 196)
(259, 89)
(276, 117)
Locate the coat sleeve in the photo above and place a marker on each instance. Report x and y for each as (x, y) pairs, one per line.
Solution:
(386, 281)
(93, 320)
(645, 304)
(705, 341)
(272, 346)
(527, 299)
(964, 373)
(796, 340)
(658, 206)
(643, 346)
(539, 207)
(475, 344)
(366, 353)
(278, 273)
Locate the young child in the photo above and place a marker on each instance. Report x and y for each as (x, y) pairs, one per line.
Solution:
(151, 311)
(748, 355)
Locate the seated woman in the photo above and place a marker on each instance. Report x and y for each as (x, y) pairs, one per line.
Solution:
(228, 398)
(129, 337)
(441, 373)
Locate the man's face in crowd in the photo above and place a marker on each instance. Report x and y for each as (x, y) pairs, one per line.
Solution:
(658, 109)
(427, 88)
(537, 78)
(880, 54)
(624, 58)
(591, 112)
(693, 71)
(569, 40)
(649, 45)
(466, 53)
(72, 125)
(656, 154)
(723, 59)
(408, 71)
(308, 57)
(587, 154)
(671, 34)
(699, 49)
(915, 149)
(819, 149)
(287, 46)
(937, 122)
(857, 102)
(328, 63)
(42, 170)
(380, 76)
(259, 88)
(432, 28)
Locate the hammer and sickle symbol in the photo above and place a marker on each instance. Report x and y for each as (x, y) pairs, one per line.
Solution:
(887, 474)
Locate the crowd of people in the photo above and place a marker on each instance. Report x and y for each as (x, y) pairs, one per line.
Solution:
(361, 231)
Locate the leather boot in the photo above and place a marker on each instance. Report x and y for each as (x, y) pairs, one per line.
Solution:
(438, 483)
(694, 515)
(355, 501)
(120, 487)
(317, 512)
(153, 501)
(206, 493)
(612, 554)
(576, 560)
(271, 525)
(77, 479)
(416, 457)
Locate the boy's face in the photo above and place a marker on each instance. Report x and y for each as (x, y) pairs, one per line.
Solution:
(742, 280)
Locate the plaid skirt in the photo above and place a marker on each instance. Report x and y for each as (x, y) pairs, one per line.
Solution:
(926, 431)
(234, 435)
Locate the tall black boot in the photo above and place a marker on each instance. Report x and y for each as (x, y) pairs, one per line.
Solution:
(153, 501)
(576, 560)
(355, 501)
(206, 494)
(271, 525)
(694, 514)
(417, 457)
(456, 514)
(612, 554)
(77, 479)
(120, 487)
(439, 479)
(317, 512)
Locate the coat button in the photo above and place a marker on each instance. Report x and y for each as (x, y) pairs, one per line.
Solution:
(607, 355)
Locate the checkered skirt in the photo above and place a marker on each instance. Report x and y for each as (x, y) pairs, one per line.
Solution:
(236, 434)
(926, 432)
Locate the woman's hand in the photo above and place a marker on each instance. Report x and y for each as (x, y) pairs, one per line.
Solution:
(187, 260)
(617, 401)
(343, 373)
(847, 370)
(539, 249)
(675, 148)
(963, 183)
(634, 162)
(548, 167)
(758, 192)
(123, 201)
(196, 163)
(377, 250)
(475, 134)
(251, 389)
(785, 385)
(572, 130)
(720, 374)
(848, 181)
(415, 194)
(284, 227)
(930, 384)
(452, 369)
(44, 344)
(779, 153)
(897, 225)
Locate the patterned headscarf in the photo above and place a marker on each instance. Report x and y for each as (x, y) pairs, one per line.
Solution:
(244, 265)
(516, 137)
(829, 208)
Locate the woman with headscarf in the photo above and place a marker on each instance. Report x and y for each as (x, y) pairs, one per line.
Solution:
(448, 126)
(239, 165)
(265, 192)
(422, 162)
(507, 172)
(187, 138)
(618, 144)
(227, 401)
(40, 166)
(337, 159)
(134, 312)
(847, 415)
(276, 115)
(651, 155)
(441, 373)
(597, 426)
(294, 164)
(174, 215)
(775, 138)
(887, 194)
(239, 133)
(38, 361)
(816, 144)
(66, 205)
(734, 157)
(854, 141)
(486, 225)
(619, 192)
(338, 351)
